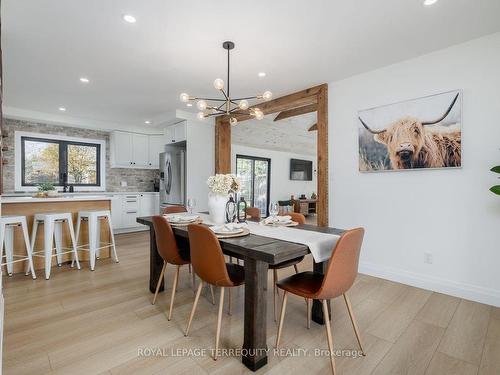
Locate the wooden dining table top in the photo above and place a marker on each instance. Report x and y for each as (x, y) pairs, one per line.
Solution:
(266, 249)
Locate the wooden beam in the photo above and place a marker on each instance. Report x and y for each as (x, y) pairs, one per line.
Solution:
(322, 147)
(313, 128)
(222, 145)
(296, 112)
(284, 103)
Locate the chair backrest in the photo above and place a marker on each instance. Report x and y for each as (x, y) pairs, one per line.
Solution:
(174, 210)
(165, 241)
(343, 265)
(253, 212)
(206, 256)
(298, 218)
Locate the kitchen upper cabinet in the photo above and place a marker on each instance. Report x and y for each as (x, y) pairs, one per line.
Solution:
(175, 133)
(140, 146)
(156, 147)
(134, 150)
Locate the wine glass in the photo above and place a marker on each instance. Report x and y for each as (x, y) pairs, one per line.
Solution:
(191, 203)
(274, 208)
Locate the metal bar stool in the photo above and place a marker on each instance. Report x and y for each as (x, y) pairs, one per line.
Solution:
(7, 225)
(94, 224)
(53, 230)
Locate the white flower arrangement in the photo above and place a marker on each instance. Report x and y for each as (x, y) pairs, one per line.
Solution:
(223, 183)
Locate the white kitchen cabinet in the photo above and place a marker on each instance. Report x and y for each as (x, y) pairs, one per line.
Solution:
(130, 210)
(116, 211)
(175, 133)
(149, 204)
(126, 208)
(140, 154)
(156, 147)
(121, 146)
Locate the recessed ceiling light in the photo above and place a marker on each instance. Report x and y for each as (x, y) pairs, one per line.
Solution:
(147, 122)
(430, 2)
(129, 18)
(84, 80)
(62, 109)
(189, 104)
(261, 74)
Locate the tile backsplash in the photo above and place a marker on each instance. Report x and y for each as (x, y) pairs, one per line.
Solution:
(136, 179)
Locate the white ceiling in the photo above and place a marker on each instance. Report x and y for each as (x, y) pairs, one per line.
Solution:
(137, 71)
(290, 135)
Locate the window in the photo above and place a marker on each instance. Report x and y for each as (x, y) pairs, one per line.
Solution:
(58, 160)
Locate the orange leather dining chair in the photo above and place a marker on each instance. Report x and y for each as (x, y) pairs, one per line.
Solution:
(209, 264)
(340, 275)
(169, 251)
(298, 218)
(254, 213)
(174, 210)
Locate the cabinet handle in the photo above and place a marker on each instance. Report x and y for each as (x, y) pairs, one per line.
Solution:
(131, 212)
(131, 201)
(173, 140)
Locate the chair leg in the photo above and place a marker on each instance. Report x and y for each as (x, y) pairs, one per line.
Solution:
(296, 268)
(9, 249)
(229, 302)
(31, 268)
(73, 241)
(198, 292)
(308, 300)
(353, 321)
(48, 234)
(160, 280)
(219, 320)
(174, 289)
(328, 334)
(282, 317)
(112, 236)
(193, 281)
(212, 293)
(58, 228)
(275, 291)
(231, 260)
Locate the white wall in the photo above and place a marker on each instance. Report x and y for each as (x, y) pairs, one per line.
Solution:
(281, 185)
(450, 213)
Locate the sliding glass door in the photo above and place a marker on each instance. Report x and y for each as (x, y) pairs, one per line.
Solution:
(254, 174)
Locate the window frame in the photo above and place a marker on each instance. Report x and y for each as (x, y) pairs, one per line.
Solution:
(64, 142)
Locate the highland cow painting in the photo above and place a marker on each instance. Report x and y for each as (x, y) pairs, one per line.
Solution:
(415, 134)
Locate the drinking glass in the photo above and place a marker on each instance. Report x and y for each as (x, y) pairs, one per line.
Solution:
(191, 203)
(274, 208)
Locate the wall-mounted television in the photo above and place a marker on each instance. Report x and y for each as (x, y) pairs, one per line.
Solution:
(301, 170)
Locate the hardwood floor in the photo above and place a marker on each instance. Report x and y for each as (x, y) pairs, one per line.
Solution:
(83, 322)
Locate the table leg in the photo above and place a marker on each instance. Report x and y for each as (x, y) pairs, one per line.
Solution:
(317, 307)
(255, 340)
(155, 263)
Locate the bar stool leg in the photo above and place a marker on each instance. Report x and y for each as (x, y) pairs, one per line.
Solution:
(112, 235)
(48, 233)
(58, 241)
(73, 240)
(31, 268)
(97, 238)
(2, 238)
(92, 241)
(9, 248)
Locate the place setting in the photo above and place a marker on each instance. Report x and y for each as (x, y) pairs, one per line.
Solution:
(275, 220)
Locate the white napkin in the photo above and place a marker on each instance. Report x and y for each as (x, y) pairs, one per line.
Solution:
(278, 219)
(229, 227)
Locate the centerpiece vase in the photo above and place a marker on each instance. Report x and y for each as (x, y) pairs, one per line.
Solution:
(217, 207)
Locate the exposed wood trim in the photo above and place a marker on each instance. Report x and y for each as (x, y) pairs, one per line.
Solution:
(322, 154)
(296, 112)
(222, 145)
(313, 128)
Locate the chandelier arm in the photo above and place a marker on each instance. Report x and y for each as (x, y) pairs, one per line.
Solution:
(228, 51)
(210, 99)
(225, 95)
(222, 105)
(247, 98)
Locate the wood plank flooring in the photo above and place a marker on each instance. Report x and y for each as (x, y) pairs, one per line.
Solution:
(83, 322)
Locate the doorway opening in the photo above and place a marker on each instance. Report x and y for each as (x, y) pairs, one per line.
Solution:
(254, 174)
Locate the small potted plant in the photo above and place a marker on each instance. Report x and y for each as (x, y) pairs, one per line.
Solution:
(46, 189)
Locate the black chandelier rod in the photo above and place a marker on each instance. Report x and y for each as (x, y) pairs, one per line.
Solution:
(228, 51)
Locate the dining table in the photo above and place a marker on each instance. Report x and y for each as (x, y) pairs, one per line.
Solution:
(257, 253)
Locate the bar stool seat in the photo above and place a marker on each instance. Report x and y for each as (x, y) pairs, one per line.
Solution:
(7, 225)
(53, 232)
(94, 244)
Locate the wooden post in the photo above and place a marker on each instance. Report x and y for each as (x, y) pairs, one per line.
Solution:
(322, 150)
(222, 145)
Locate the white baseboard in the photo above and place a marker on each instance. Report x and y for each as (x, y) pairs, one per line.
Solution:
(436, 284)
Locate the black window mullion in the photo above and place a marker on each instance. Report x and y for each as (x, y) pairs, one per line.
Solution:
(63, 162)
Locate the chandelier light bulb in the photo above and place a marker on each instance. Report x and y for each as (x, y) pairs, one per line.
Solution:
(201, 116)
(233, 121)
(201, 105)
(268, 95)
(259, 115)
(219, 84)
(184, 97)
(243, 104)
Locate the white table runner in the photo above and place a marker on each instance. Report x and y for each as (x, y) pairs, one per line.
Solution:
(320, 244)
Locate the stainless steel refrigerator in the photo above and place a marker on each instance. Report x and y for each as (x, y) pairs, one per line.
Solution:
(173, 176)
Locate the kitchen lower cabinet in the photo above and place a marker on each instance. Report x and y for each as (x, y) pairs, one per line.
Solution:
(126, 208)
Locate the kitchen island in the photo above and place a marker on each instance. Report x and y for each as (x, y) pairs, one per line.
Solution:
(29, 206)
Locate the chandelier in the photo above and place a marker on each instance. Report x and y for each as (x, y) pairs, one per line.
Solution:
(226, 105)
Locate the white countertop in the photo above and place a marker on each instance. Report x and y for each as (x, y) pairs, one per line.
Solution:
(6, 200)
